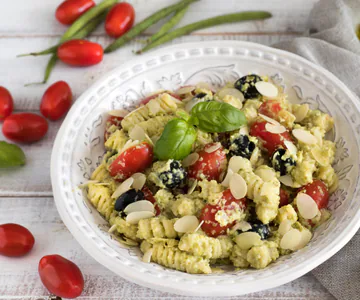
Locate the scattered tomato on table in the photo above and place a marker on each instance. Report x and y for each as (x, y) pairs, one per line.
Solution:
(120, 19)
(15, 240)
(69, 10)
(6, 103)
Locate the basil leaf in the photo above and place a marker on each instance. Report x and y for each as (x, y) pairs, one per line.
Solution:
(176, 140)
(214, 116)
(11, 155)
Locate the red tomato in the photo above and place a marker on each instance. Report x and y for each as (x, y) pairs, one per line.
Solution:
(6, 103)
(80, 53)
(271, 141)
(150, 197)
(212, 227)
(133, 160)
(56, 101)
(61, 276)
(147, 99)
(318, 191)
(112, 120)
(25, 127)
(270, 108)
(284, 197)
(68, 11)
(209, 165)
(15, 240)
(120, 19)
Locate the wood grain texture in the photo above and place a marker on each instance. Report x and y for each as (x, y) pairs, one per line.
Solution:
(19, 278)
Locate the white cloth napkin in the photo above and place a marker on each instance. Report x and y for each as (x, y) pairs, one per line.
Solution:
(333, 44)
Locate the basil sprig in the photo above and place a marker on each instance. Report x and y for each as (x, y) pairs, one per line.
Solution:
(213, 116)
(11, 155)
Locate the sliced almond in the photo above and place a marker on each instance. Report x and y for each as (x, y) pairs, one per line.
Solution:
(190, 159)
(275, 128)
(118, 113)
(290, 240)
(192, 187)
(137, 133)
(139, 180)
(185, 90)
(203, 85)
(213, 148)
(136, 216)
(242, 225)
(266, 174)
(304, 136)
(122, 188)
(271, 121)
(186, 224)
(291, 147)
(238, 186)
(226, 180)
(301, 112)
(287, 180)
(306, 205)
(284, 227)
(153, 106)
(231, 92)
(266, 89)
(130, 143)
(141, 205)
(305, 238)
(246, 240)
(112, 228)
(149, 140)
(199, 226)
(244, 130)
(147, 255)
(192, 103)
(85, 184)
(235, 163)
(154, 139)
(319, 157)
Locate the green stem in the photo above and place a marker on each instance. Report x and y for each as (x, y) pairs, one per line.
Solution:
(50, 65)
(143, 25)
(169, 25)
(229, 18)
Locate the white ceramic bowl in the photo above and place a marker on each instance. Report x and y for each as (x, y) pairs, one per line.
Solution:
(78, 149)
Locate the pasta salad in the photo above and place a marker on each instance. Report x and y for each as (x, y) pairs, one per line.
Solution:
(197, 178)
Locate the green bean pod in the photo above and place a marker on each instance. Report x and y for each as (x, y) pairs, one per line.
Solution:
(169, 25)
(143, 25)
(229, 18)
(50, 65)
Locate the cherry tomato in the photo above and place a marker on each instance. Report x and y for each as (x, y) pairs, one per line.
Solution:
(270, 141)
(80, 53)
(209, 165)
(270, 108)
(133, 160)
(147, 99)
(68, 11)
(284, 197)
(112, 120)
(25, 127)
(120, 19)
(6, 103)
(148, 195)
(56, 101)
(15, 240)
(318, 191)
(61, 276)
(212, 227)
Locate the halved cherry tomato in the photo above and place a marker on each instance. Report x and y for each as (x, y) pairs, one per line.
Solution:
(6, 103)
(147, 99)
(61, 276)
(25, 127)
(318, 191)
(270, 108)
(212, 227)
(120, 19)
(270, 141)
(68, 11)
(112, 120)
(284, 197)
(56, 101)
(15, 240)
(150, 197)
(132, 160)
(80, 53)
(209, 165)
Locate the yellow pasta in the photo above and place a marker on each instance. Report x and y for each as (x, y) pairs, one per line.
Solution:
(157, 227)
(100, 198)
(116, 140)
(122, 227)
(211, 191)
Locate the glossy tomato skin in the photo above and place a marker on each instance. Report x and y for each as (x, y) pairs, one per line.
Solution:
(284, 198)
(270, 141)
(15, 240)
(212, 227)
(209, 165)
(120, 19)
(68, 11)
(318, 191)
(6, 103)
(270, 108)
(133, 160)
(61, 276)
(80, 53)
(147, 99)
(56, 101)
(25, 127)
(148, 195)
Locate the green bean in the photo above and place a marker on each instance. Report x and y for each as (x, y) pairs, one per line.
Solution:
(143, 25)
(50, 65)
(169, 25)
(229, 18)
(83, 32)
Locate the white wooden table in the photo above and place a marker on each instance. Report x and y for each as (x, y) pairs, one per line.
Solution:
(26, 196)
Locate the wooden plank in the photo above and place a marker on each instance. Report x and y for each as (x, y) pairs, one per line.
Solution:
(17, 17)
(34, 178)
(19, 278)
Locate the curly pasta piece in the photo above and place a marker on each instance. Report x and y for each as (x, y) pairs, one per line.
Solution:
(302, 173)
(211, 191)
(155, 126)
(156, 227)
(286, 212)
(100, 198)
(250, 109)
(316, 118)
(122, 227)
(286, 118)
(116, 140)
(238, 257)
(261, 256)
(164, 198)
(202, 138)
(187, 205)
(328, 176)
(102, 174)
(208, 247)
